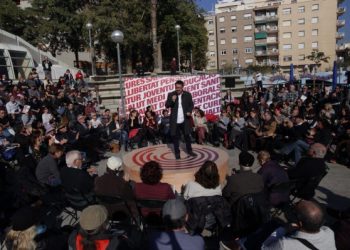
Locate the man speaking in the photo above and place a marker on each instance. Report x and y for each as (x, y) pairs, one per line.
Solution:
(181, 105)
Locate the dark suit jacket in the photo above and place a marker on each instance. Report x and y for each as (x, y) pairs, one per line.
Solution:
(73, 178)
(243, 183)
(187, 106)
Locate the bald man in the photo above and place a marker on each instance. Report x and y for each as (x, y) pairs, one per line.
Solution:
(308, 233)
(309, 168)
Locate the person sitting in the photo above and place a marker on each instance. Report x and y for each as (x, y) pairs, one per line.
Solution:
(117, 131)
(164, 127)
(200, 125)
(151, 187)
(307, 233)
(150, 127)
(237, 125)
(47, 170)
(309, 167)
(244, 182)
(207, 182)
(112, 183)
(266, 130)
(273, 174)
(93, 232)
(174, 214)
(74, 178)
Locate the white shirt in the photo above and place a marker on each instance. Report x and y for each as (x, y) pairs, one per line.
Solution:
(258, 77)
(46, 117)
(95, 123)
(12, 107)
(194, 189)
(180, 111)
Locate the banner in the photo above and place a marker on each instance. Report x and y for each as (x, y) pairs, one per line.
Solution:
(153, 91)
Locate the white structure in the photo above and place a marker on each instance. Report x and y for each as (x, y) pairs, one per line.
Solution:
(18, 57)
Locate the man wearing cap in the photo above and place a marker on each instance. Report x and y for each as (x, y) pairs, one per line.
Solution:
(244, 182)
(47, 170)
(93, 231)
(112, 183)
(174, 215)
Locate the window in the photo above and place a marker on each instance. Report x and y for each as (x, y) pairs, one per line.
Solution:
(287, 46)
(211, 43)
(233, 17)
(301, 45)
(223, 62)
(212, 53)
(248, 50)
(287, 11)
(315, 7)
(247, 27)
(234, 40)
(314, 32)
(287, 23)
(222, 41)
(287, 58)
(287, 35)
(233, 28)
(301, 33)
(314, 20)
(301, 57)
(248, 38)
(222, 30)
(212, 64)
(234, 51)
(211, 33)
(314, 45)
(249, 61)
(221, 19)
(210, 21)
(301, 21)
(223, 52)
(301, 9)
(247, 15)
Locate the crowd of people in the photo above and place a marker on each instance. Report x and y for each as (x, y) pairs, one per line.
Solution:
(51, 135)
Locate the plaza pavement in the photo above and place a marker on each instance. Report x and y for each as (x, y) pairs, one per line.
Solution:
(334, 189)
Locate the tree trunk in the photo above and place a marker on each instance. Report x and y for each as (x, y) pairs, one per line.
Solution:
(159, 58)
(154, 36)
(76, 54)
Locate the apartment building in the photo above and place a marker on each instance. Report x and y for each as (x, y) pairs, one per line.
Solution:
(282, 31)
(212, 56)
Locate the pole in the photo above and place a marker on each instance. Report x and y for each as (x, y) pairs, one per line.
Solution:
(93, 70)
(191, 60)
(178, 48)
(120, 81)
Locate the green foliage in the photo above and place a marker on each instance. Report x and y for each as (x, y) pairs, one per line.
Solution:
(12, 19)
(318, 57)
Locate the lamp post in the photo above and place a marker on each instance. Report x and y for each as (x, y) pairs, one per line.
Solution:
(93, 68)
(177, 27)
(118, 37)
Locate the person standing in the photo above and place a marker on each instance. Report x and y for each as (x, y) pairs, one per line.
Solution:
(181, 105)
(47, 68)
(258, 79)
(173, 66)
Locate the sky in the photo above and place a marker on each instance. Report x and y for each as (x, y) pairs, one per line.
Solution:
(209, 5)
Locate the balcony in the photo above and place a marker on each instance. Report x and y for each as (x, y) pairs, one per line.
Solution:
(341, 10)
(261, 53)
(266, 19)
(340, 23)
(340, 35)
(340, 48)
(273, 29)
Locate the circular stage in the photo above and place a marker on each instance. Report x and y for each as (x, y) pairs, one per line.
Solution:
(175, 172)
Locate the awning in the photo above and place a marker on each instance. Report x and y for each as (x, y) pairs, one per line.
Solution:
(260, 35)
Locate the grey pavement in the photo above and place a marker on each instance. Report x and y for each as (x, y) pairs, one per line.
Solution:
(334, 189)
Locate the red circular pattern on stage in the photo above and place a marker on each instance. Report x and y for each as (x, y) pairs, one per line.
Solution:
(175, 172)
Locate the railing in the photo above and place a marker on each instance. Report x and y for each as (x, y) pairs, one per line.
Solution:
(266, 18)
(268, 30)
(340, 23)
(340, 35)
(341, 10)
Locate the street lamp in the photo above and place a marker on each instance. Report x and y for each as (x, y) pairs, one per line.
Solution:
(177, 27)
(118, 37)
(93, 69)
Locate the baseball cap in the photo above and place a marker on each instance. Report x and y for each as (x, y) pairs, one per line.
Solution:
(93, 217)
(114, 163)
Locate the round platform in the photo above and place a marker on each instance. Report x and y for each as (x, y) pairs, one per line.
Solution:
(175, 172)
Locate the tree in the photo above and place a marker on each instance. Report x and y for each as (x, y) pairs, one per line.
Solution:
(12, 18)
(318, 57)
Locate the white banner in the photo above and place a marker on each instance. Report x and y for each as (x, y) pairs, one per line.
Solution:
(146, 91)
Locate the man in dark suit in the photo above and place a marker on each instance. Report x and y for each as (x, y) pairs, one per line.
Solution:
(181, 105)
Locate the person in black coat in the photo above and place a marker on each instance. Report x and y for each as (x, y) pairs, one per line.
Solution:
(309, 167)
(181, 105)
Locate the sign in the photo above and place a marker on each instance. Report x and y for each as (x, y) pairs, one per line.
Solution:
(153, 91)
